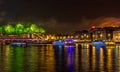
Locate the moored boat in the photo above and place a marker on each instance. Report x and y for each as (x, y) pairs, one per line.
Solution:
(98, 43)
(19, 44)
(69, 43)
(58, 43)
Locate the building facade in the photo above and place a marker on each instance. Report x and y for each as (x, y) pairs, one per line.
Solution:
(116, 35)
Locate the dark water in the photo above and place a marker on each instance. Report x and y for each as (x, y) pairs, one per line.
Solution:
(46, 58)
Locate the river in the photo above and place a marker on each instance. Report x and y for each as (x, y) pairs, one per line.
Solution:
(46, 58)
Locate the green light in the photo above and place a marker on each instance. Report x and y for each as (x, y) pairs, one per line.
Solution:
(26, 30)
(33, 27)
(9, 29)
(19, 25)
(37, 30)
(1, 29)
(19, 29)
(42, 30)
(16, 61)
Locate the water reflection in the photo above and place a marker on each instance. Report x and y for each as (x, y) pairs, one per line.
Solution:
(70, 58)
(118, 46)
(101, 62)
(47, 58)
(93, 59)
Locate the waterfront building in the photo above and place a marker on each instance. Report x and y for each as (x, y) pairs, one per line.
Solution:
(63, 37)
(105, 33)
(84, 36)
(116, 35)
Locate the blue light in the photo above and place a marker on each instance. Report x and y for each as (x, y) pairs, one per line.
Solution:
(100, 47)
(70, 49)
(70, 61)
(69, 40)
(58, 43)
(69, 46)
(98, 43)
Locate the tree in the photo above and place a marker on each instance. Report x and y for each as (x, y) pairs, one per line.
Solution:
(41, 30)
(34, 28)
(27, 30)
(19, 29)
(1, 29)
(9, 29)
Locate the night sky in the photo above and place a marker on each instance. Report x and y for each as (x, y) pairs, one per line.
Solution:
(61, 12)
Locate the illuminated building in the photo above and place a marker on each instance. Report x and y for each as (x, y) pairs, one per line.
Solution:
(84, 35)
(105, 33)
(116, 35)
(98, 34)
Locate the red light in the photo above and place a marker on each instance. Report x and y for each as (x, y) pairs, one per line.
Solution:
(93, 27)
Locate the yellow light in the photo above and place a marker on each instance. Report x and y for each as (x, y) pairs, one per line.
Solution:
(68, 36)
(61, 37)
(87, 36)
(101, 35)
(93, 35)
(71, 36)
(53, 37)
(76, 36)
(109, 35)
(64, 37)
(81, 36)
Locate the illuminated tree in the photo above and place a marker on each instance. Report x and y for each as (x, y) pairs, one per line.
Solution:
(9, 29)
(41, 30)
(19, 29)
(27, 30)
(1, 29)
(34, 28)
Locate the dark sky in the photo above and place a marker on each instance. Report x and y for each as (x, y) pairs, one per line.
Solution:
(62, 15)
(66, 11)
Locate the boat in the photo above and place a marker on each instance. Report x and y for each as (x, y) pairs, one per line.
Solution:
(19, 44)
(58, 43)
(69, 42)
(98, 43)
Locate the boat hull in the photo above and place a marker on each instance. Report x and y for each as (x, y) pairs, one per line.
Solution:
(98, 43)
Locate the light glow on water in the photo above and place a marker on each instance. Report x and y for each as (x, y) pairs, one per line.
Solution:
(46, 58)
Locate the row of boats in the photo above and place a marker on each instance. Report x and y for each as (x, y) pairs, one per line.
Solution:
(96, 43)
(55, 43)
(65, 42)
(102, 44)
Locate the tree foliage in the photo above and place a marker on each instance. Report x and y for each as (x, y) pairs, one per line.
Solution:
(21, 29)
(9, 29)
